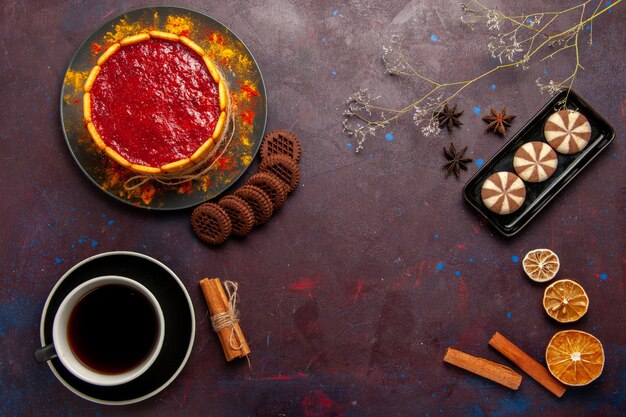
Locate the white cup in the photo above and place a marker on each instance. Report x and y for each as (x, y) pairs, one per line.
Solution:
(60, 346)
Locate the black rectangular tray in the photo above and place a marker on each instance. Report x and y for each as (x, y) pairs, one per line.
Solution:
(539, 194)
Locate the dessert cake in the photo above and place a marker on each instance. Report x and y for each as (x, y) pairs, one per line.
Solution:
(155, 103)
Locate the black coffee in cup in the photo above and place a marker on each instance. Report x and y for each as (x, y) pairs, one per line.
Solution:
(112, 329)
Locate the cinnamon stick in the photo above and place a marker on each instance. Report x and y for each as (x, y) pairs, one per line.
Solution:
(527, 364)
(493, 371)
(231, 337)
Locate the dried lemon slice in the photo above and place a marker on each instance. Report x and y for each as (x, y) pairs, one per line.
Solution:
(565, 301)
(541, 265)
(574, 357)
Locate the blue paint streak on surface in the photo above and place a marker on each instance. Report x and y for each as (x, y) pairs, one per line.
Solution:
(513, 406)
(476, 110)
(111, 222)
(603, 276)
(439, 266)
(434, 38)
(389, 136)
(479, 163)
(515, 259)
(509, 315)
(13, 398)
(15, 315)
(335, 12)
(476, 411)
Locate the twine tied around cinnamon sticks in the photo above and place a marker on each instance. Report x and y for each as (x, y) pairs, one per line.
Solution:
(230, 317)
(222, 302)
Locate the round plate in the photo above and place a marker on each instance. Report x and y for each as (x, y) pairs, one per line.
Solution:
(179, 324)
(247, 93)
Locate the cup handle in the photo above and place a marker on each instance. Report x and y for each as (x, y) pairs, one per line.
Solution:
(44, 354)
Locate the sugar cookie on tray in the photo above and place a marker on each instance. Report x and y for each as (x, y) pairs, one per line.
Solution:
(567, 131)
(535, 161)
(503, 192)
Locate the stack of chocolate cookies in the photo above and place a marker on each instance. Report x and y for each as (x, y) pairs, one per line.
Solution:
(254, 203)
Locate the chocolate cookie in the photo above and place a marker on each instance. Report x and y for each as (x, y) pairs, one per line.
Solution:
(535, 161)
(567, 131)
(282, 167)
(240, 213)
(275, 189)
(257, 200)
(211, 223)
(281, 142)
(503, 192)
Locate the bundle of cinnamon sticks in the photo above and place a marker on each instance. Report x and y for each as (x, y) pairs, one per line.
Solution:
(225, 317)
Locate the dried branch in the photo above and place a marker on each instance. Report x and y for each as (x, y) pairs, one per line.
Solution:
(518, 41)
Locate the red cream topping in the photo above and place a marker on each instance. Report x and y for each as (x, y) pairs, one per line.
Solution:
(155, 102)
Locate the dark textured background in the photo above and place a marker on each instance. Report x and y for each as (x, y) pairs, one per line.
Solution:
(352, 292)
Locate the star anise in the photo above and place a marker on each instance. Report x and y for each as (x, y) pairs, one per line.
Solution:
(499, 121)
(448, 117)
(456, 162)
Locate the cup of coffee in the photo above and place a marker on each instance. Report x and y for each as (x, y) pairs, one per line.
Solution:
(107, 331)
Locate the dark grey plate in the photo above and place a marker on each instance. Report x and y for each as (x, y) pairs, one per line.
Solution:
(239, 69)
